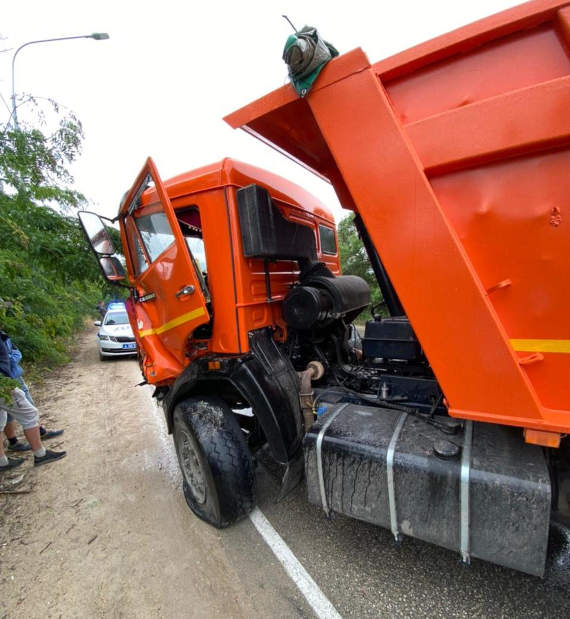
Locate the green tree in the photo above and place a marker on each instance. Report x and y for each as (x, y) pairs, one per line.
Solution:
(48, 278)
(354, 259)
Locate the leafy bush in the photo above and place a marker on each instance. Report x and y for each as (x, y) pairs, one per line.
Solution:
(7, 386)
(354, 261)
(49, 279)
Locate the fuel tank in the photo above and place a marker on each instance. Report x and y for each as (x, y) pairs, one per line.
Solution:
(479, 492)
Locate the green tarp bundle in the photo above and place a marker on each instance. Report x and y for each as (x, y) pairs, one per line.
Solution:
(306, 54)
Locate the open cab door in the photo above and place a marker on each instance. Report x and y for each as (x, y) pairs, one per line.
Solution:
(170, 297)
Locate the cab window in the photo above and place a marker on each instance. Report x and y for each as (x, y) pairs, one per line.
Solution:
(191, 226)
(156, 233)
(328, 244)
(136, 251)
(196, 246)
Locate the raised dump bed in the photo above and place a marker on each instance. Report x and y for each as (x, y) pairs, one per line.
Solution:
(456, 155)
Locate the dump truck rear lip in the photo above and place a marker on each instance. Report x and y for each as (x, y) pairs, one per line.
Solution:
(339, 68)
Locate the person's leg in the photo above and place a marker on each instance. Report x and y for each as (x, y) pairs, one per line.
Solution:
(13, 443)
(33, 436)
(6, 463)
(3, 459)
(26, 391)
(28, 417)
(44, 432)
(9, 428)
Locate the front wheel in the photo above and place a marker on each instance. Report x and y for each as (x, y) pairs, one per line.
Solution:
(217, 467)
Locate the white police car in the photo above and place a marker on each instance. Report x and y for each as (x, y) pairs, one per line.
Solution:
(115, 336)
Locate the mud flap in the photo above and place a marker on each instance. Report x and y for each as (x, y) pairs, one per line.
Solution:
(268, 381)
(292, 476)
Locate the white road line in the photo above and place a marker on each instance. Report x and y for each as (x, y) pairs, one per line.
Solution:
(298, 574)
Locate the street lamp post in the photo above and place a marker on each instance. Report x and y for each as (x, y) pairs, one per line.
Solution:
(97, 36)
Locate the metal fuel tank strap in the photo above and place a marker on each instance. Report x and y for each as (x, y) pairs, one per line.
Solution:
(390, 472)
(464, 492)
(319, 455)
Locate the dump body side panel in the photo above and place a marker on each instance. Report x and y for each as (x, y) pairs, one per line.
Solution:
(455, 154)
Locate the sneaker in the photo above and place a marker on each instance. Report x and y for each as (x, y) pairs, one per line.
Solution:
(51, 456)
(50, 434)
(12, 464)
(19, 447)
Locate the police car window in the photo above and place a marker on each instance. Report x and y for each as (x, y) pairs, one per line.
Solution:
(328, 245)
(155, 232)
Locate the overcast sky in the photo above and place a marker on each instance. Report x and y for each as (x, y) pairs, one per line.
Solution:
(171, 70)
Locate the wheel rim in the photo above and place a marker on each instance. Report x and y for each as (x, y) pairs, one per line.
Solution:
(191, 464)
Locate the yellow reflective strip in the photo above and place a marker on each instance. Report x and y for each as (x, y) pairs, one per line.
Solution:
(175, 322)
(562, 346)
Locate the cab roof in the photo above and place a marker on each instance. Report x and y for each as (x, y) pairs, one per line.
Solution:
(230, 172)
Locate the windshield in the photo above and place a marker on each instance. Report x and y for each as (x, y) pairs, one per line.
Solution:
(116, 318)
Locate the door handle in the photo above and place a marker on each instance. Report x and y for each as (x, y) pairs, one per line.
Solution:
(185, 291)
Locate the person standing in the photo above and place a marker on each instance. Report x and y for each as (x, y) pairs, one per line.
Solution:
(10, 357)
(27, 415)
(101, 309)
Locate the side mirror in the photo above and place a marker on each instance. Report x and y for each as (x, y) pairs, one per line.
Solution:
(96, 233)
(97, 323)
(102, 246)
(112, 268)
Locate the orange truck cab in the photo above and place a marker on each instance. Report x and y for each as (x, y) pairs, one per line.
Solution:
(447, 420)
(212, 295)
(212, 257)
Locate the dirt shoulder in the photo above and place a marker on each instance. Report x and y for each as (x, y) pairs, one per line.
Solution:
(105, 531)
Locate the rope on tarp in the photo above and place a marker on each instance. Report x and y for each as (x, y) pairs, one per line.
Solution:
(305, 54)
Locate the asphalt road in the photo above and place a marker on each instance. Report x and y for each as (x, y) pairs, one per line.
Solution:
(152, 557)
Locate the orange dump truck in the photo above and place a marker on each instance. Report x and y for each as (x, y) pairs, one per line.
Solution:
(455, 156)
(447, 420)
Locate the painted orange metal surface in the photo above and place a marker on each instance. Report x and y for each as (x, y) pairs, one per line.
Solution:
(456, 154)
(164, 326)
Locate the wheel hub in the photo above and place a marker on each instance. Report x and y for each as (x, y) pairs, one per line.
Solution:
(191, 465)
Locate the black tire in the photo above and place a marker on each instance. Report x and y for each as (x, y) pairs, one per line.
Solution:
(102, 357)
(217, 467)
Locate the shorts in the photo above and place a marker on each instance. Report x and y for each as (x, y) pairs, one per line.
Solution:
(26, 391)
(21, 410)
